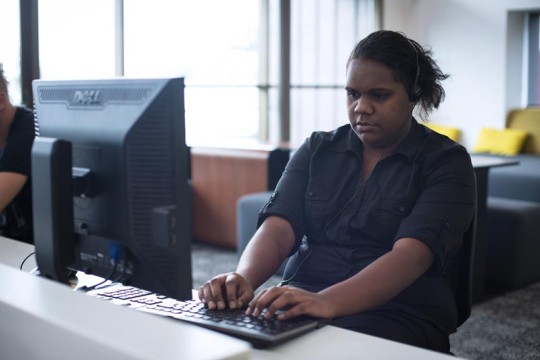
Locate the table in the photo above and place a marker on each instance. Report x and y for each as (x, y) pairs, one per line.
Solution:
(43, 319)
(55, 322)
(481, 165)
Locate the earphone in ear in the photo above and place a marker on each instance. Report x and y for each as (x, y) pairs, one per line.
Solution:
(415, 92)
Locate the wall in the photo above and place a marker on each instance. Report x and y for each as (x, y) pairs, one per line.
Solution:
(219, 176)
(474, 41)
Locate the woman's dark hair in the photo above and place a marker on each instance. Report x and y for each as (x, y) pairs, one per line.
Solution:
(412, 64)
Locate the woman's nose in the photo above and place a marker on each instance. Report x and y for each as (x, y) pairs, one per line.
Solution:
(362, 105)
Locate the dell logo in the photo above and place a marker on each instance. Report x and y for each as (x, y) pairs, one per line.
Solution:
(86, 97)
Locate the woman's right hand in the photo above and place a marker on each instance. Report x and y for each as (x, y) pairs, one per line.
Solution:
(226, 290)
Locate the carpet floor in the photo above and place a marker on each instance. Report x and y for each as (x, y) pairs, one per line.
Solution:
(505, 327)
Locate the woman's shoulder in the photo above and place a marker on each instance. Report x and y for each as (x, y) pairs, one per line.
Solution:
(335, 135)
(440, 151)
(436, 142)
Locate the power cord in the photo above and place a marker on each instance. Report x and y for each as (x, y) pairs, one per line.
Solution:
(115, 250)
(95, 286)
(26, 258)
(287, 281)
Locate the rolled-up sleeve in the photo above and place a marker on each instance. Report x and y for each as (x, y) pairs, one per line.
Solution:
(445, 207)
(287, 201)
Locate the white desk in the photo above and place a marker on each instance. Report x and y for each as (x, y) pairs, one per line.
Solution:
(333, 343)
(13, 253)
(41, 319)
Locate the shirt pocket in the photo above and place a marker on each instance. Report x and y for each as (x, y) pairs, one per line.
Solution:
(390, 214)
(316, 211)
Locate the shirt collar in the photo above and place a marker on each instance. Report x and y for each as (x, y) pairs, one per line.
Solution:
(408, 147)
(413, 141)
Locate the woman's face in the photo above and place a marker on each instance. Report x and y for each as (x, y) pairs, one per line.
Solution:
(378, 106)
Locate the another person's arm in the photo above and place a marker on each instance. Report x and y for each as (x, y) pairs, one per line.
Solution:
(10, 185)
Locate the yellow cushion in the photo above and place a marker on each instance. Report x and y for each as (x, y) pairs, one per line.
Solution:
(502, 142)
(527, 119)
(452, 132)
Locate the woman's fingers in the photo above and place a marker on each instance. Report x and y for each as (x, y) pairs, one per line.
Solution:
(274, 299)
(239, 291)
(289, 302)
(226, 290)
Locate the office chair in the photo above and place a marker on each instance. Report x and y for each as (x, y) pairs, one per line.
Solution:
(463, 291)
(247, 213)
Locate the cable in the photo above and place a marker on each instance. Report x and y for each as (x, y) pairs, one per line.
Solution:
(115, 250)
(107, 278)
(323, 231)
(26, 258)
(287, 281)
(120, 277)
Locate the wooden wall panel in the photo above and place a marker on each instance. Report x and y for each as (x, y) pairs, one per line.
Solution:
(219, 177)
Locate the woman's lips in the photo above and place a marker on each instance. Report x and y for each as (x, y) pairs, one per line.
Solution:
(363, 126)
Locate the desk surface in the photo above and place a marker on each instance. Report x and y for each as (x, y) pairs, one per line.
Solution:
(54, 322)
(42, 319)
(14, 253)
(480, 161)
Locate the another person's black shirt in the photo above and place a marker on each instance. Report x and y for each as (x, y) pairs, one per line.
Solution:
(16, 219)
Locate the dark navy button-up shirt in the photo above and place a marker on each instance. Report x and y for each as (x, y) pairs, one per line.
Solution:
(424, 190)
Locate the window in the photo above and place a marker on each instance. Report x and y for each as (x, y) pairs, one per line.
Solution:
(323, 33)
(228, 51)
(533, 59)
(215, 45)
(212, 43)
(10, 48)
(76, 39)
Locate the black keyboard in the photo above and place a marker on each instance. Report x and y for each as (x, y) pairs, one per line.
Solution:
(260, 332)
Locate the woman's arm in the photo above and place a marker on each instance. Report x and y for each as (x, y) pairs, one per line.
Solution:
(262, 257)
(266, 251)
(381, 280)
(376, 284)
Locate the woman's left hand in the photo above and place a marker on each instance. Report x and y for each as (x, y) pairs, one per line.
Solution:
(291, 301)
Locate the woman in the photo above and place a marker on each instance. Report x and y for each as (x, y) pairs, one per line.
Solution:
(373, 213)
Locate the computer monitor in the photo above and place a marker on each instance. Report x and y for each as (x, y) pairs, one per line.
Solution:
(110, 173)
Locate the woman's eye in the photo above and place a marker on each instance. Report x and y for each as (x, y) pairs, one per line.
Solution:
(380, 96)
(353, 94)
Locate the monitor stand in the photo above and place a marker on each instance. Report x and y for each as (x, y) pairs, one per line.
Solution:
(52, 193)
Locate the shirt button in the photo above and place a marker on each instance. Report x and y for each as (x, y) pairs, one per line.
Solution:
(310, 193)
(401, 208)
